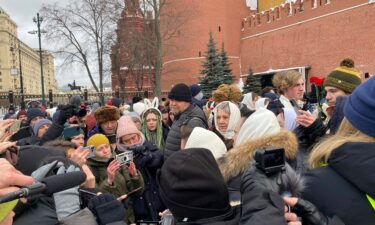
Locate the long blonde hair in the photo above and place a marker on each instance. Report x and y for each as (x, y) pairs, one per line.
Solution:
(346, 133)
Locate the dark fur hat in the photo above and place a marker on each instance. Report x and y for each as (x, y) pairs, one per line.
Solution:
(107, 113)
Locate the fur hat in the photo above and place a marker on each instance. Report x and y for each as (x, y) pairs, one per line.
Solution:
(106, 113)
(190, 183)
(343, 78)
(227, 92)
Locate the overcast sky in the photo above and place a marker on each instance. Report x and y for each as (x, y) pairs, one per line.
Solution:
(22, 13)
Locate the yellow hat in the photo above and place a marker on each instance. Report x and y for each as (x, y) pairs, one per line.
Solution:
(96, 140)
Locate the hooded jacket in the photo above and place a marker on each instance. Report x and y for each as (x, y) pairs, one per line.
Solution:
(192, 117)
(240, 158)
(341, 187)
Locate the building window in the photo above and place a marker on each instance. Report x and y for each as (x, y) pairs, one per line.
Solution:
(200, 54)
(1, 87)
(219, 29)
(1, 80)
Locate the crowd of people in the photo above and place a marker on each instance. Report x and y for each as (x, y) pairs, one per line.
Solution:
(275, 157)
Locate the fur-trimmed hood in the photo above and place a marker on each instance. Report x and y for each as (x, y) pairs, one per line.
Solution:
(237, 160)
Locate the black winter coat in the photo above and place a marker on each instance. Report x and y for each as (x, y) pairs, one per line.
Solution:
(340, 188)
(307, 138)
(191, 117)
(259, 207)
(148, 205)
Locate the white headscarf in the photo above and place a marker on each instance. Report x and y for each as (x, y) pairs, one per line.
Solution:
(203, 138)
(261, 123)
(290, 119)
(248, 100)
(234, 118)
(261, 103)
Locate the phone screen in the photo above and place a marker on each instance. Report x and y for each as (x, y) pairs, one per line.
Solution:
(111, 138)
(16, 126)
(91, 150)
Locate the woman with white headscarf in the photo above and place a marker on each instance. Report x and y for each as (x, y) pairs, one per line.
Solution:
(262, 103)
(227, 116)
(249, 100)
(261, 123)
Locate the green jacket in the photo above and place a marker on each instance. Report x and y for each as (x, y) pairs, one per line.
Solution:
(122, 184)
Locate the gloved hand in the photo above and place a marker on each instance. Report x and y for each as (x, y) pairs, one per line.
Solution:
(107, 209)
(310, 214)
(65, 113)
(67, 201)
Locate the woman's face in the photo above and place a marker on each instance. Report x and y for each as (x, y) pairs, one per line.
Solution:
(151, 121)
(222, 119)
(131, 139)
(103, 151)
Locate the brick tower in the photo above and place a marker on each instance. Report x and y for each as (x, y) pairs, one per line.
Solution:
(127, 54)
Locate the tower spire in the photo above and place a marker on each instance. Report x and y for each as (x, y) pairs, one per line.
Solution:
(132, 7)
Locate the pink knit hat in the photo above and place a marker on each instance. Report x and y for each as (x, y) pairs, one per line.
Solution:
(126, 126)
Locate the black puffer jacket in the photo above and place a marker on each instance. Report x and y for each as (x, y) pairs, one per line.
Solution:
(341, 187)
(259, 206)
(191, 117)
(148, 205)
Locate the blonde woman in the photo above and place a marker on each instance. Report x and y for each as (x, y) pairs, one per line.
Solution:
(342, 181)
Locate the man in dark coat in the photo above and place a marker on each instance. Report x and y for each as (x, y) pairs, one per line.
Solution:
(194, 190)
(186, 114)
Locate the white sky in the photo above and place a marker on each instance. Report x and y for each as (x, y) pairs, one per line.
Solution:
(22, 13)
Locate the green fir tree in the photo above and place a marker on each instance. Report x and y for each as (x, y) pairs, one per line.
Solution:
(216, 70)
(252, 84)
(227, 76)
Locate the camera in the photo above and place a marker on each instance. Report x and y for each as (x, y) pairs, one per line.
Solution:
(124, 158)
(78, 111)
(138, 150)
(270, 160)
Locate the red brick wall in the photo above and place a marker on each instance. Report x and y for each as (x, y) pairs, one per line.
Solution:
(318, 42)
(181, 53)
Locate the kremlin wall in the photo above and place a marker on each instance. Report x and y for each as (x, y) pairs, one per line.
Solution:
(311, 36)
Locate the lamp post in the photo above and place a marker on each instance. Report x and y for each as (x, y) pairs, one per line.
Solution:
(38, 20)
(20, 69)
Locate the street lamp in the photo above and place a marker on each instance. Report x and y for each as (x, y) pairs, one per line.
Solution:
(21, 78)
(38, 20)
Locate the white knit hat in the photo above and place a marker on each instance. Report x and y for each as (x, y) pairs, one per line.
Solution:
(139, 108)
(202, 138)
(261, 123)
